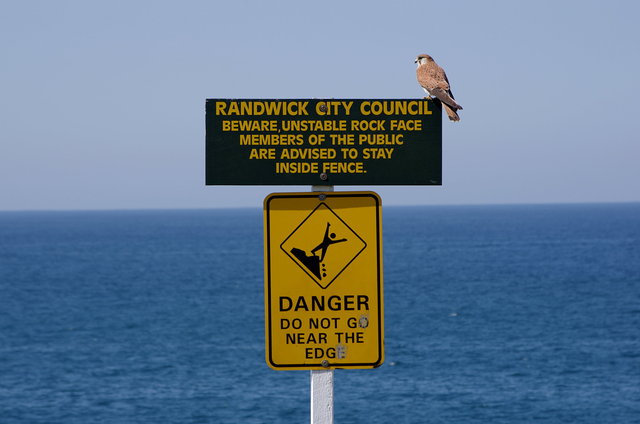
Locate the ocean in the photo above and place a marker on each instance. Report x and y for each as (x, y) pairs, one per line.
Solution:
(500, 314)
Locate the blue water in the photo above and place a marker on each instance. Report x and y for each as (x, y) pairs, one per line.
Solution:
(500, 314)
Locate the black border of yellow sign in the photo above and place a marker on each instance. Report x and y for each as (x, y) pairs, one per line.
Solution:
(302, 211)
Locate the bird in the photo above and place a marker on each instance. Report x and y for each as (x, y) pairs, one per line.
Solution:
(434, 82)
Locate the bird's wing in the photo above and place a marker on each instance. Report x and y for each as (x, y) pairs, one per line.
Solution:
(442, 89)
(445, 98)
(449, 85)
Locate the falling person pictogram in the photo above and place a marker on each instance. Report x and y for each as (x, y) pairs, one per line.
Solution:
(313, 262)
(326, 242)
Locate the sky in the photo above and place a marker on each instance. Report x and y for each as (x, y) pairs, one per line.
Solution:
(102, 103)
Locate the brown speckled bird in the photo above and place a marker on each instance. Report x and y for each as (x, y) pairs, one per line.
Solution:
(435, 83)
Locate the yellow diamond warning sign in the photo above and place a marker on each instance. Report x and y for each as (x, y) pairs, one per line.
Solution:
(323, 280)
(336, 245)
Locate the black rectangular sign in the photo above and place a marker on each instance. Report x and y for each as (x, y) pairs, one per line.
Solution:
(323, 142)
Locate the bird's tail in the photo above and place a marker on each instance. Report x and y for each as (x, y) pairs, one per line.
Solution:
(451, 113)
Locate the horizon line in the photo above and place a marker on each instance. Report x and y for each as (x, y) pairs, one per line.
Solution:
(202, 208)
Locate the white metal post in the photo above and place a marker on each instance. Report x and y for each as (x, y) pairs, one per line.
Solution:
(322, 380)
(322, 397)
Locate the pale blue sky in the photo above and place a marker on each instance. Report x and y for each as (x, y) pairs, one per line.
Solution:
(102, 103)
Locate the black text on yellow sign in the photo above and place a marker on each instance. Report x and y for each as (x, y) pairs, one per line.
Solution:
(313, 141)
(323, 280)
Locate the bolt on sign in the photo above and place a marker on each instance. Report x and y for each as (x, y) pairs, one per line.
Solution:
(323, 280)
(314, 141)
